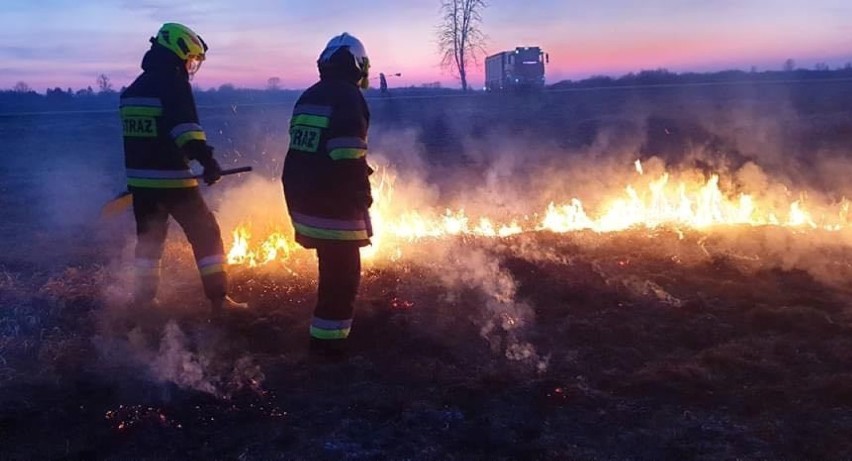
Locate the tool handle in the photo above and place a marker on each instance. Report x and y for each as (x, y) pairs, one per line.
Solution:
(242, 169)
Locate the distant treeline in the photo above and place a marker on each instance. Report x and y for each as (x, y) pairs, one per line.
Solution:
(665, 77)
(57, 99)
(22, 99)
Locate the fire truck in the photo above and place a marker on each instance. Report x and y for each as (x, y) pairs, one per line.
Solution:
(520, 69)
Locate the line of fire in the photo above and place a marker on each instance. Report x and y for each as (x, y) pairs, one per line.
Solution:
(677, 200)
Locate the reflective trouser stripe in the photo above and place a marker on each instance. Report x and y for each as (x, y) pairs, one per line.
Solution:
(147, 267)
(214, 269)
(320, 333)
(330, 329)
(210, 265)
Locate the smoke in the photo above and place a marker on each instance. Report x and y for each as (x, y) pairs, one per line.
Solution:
(474, 277)
(254, 201)
(154, 344)
(149, 341)
(824, 256)
(176, 362)
(512, 162)
(401, 164)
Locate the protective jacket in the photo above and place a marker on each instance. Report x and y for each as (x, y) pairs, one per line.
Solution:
(160, 122)
(326, 177)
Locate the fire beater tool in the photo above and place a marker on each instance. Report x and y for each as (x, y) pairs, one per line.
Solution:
(125, 199)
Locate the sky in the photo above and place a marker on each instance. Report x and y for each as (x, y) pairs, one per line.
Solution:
(68, 43)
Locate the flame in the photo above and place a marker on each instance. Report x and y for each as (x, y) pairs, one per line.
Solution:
(275, 247)
(688, 200)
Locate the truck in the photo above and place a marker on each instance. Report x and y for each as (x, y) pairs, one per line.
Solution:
(519, 69)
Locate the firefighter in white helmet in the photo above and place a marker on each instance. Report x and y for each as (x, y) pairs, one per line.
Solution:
(327, 187)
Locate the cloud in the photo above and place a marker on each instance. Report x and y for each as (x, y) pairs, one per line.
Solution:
(184, 12)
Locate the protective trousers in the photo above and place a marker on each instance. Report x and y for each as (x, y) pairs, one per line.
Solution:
(339, 276)
(152, 208)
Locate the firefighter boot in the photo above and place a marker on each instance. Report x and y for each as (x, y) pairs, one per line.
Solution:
(143, 320)
(329, 350)
(146, 283)
(145, 293)
(146, 303)
(225, 304)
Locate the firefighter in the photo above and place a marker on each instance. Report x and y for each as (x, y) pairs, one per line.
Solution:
(161, 135)
(326, 185)
(383, 84)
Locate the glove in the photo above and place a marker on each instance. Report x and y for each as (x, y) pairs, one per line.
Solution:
(212, 171)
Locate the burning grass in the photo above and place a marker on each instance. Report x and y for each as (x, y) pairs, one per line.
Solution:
(653, 198)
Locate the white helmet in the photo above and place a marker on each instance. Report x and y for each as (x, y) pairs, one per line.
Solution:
(356, 50)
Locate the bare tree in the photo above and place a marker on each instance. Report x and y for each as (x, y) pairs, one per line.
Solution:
(21, 87)
(104, 85)
(274, 83)
(460, 38)
(789, 65)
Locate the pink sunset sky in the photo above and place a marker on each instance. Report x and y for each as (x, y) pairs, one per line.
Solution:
(68, 43)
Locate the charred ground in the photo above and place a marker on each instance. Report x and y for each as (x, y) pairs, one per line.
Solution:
(638, 354)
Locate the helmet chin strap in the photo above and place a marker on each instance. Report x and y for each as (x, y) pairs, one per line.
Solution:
(364, 65)
(192, 67)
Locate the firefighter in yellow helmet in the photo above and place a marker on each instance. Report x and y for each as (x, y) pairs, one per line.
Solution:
(326, 184)
(161, 135)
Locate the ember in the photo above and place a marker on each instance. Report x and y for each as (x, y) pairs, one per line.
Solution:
(398, 303)
(126, 417)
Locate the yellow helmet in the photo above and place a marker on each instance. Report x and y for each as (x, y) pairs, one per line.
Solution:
(183, 42)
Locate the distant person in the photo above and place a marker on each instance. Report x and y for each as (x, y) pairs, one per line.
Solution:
(327, 188)
(383, 84)
(161, 135)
